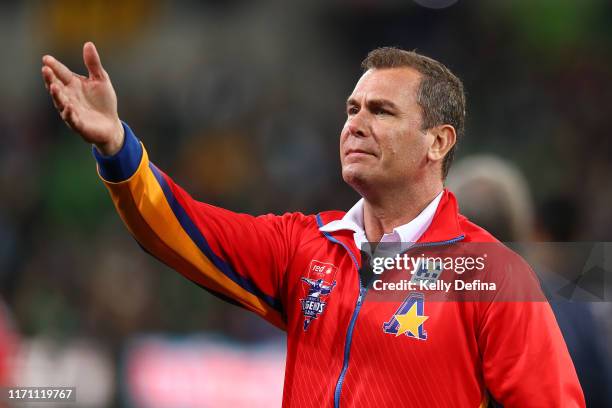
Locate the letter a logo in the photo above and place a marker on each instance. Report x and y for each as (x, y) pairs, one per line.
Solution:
(409, 318)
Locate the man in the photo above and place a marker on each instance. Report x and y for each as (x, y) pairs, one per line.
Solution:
(344, 348)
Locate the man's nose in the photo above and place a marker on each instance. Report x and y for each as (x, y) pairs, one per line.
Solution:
(356, 127)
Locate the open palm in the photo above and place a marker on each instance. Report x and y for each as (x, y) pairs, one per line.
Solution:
(87, 104)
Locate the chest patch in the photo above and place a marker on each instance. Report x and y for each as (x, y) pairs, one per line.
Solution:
(317, 285)
(409, 318)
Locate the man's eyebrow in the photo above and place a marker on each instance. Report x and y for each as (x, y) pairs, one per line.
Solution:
(351, 101)
(382, 103)
(375, 102)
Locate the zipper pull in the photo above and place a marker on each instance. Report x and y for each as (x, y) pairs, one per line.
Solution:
(360, 298)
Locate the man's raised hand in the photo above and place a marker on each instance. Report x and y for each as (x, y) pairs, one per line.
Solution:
(87, 104)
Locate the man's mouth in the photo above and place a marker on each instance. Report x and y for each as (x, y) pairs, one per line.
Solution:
(357, 153)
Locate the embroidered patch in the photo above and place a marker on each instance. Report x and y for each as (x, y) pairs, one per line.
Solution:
(428, 272)
(318, 284)
(409, 318)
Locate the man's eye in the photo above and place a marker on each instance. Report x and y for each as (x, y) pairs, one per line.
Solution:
(352, 110)
(381, 111)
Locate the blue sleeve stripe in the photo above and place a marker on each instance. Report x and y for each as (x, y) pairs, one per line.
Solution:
(122, 165)
(213, 292)
(196, 236)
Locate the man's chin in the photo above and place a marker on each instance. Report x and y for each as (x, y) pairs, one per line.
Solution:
(358, 180)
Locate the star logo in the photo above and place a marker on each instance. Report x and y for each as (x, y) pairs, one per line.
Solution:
(410, 321)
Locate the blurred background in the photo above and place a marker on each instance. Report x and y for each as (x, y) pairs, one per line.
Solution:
(242, 102)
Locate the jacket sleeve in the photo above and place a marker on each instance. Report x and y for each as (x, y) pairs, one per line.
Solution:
(525, 360)
(238, 257)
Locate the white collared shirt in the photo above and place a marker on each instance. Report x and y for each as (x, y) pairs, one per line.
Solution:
(406, 234)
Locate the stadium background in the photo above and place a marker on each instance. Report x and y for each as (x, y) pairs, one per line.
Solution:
(242, 103)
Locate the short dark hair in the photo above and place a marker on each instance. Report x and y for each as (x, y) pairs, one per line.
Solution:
(440, 94)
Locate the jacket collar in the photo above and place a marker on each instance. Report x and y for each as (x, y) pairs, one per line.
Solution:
(444, 225)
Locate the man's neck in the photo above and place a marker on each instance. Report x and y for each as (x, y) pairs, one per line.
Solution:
(388, 211)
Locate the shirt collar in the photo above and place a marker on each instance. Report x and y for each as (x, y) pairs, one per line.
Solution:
(352, 220)
(410, 232)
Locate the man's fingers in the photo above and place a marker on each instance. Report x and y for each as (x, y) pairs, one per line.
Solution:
(92, 61)
(49, 77)
(67, 113)
(59, 98)
(60, 70)
(72, 118)
(68, 116)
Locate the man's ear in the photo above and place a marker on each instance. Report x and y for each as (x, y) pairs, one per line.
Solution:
(444, 138)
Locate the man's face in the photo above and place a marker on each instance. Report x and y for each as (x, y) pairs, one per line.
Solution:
(381, 144)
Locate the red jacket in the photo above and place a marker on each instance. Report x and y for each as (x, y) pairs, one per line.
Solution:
(347, 346)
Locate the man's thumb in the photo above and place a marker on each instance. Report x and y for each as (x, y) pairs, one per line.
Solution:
(92, 61)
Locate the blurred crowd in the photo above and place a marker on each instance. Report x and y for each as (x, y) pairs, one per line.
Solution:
(242, 103)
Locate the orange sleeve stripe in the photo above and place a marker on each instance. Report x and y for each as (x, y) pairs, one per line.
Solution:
(145, 211)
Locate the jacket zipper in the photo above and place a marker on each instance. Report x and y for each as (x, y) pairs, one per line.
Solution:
(362, 293)
(347, 345)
